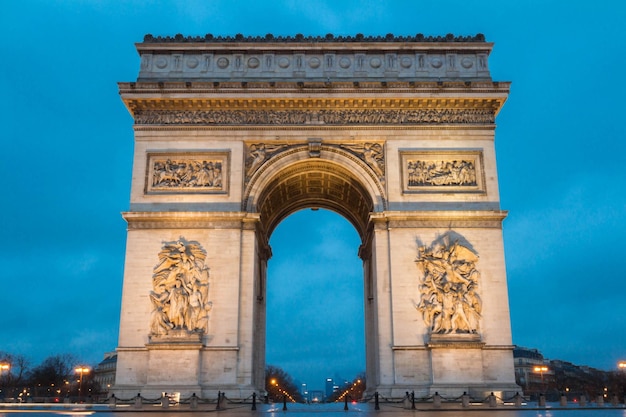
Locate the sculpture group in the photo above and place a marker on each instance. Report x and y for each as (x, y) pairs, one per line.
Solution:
(180, 289)
(449, 300)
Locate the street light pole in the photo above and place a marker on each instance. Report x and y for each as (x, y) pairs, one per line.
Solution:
(4, 366)
(81, 370)
(541, 370)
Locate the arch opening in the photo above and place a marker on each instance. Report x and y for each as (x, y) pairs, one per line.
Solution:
(330, 189)
(315, 325)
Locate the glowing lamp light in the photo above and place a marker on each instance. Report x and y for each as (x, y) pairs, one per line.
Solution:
(81, 370)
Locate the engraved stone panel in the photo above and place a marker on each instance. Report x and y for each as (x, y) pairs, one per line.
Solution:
(442, 171)
(189, 172)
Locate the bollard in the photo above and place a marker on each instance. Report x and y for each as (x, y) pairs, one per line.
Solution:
(563, 402)
(253, 401)
(492, 400)
(345, 402)
(583, 400)
(284, 403)
(112, 401)
(165, 400)
(465, 400)
(138, 402)
(542, 400)
(376, 405)
(437, 400)
(600, 400)
(406, 402)
(518, 400)
(193, 402)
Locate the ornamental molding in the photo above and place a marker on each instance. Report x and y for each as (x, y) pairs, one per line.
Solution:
(375, 88)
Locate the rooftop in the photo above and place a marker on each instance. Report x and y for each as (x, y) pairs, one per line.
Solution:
(329, 38)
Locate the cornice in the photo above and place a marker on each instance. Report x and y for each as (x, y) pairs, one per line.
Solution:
(325, 88)
(189, 220)
(437, 219)
(191, 96)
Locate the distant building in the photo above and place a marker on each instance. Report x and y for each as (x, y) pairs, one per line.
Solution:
(304, 390)
(316, 396)
(104, 374)
(532, 371)
(329, 387)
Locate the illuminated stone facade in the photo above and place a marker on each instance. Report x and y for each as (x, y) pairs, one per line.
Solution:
(234, 134)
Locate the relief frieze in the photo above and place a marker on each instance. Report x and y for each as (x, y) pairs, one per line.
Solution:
(442, 171)
(187, 172)
(323, 117)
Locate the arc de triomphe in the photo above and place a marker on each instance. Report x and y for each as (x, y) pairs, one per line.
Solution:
(233, 134)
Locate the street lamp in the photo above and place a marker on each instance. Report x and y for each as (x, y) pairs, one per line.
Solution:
(621, 365)
(81, 370)
(4, 366)
(541, 370)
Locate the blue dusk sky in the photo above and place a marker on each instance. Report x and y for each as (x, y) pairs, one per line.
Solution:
(67, 147)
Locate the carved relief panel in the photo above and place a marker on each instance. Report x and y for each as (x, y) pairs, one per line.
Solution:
(442, 171)
(187, 172)
(180, 295)
(371, 153)
(449, 281)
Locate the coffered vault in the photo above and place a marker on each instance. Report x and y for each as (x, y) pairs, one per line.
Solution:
(233, 134)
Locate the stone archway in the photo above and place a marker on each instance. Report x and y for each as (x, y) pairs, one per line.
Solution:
(395, 134)
(331, 178)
